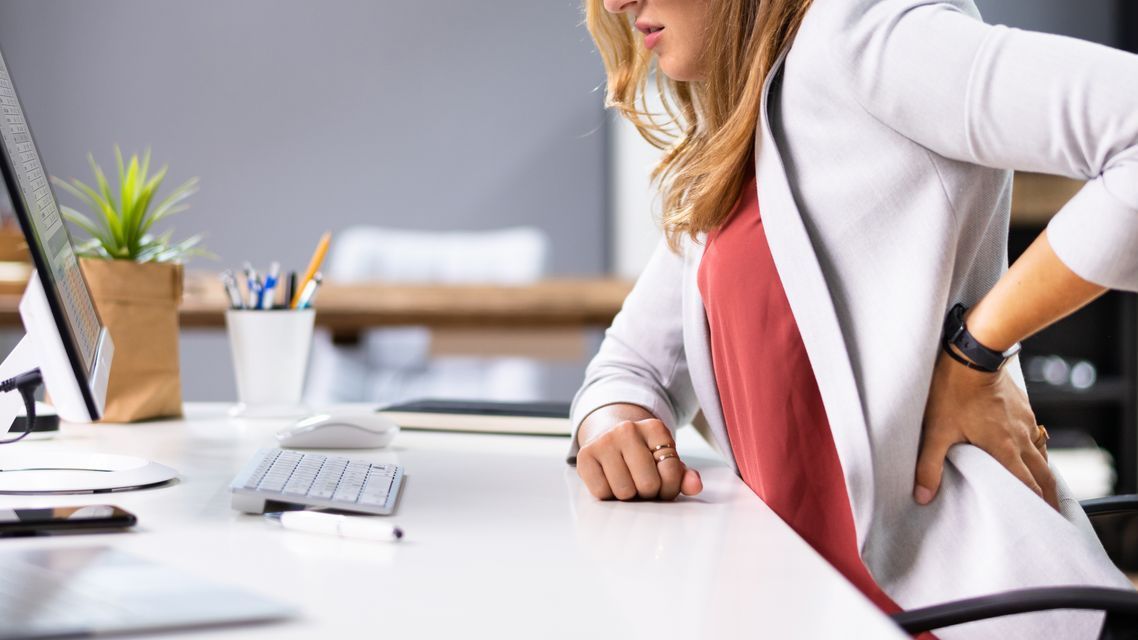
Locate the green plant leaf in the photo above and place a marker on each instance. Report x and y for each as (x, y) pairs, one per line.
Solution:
(171, 204)
(93, 204)
(101, 180)
(129, 191)
(91, 248)
(186, 248)
(169, 211)
(145, 164)
(84, 223)
(119, 165)
(106, 209)
(107, 205)
(160, 250)
(145, 213)
(120, 228)
(136, 213)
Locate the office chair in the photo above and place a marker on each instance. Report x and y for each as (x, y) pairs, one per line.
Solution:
(1120, 605)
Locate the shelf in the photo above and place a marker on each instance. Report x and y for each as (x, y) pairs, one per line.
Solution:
(1106, 391)
(1036, 197)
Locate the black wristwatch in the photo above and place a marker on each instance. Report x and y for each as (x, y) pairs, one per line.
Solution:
(975, 355)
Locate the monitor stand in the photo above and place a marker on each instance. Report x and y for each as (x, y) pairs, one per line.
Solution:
(25, 468)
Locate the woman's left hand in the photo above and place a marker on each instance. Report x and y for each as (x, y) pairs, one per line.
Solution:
(987, 410)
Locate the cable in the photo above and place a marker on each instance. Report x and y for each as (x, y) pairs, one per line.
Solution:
(26, 383)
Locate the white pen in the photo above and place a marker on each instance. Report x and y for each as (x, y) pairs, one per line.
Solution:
(308, 295)
(253, 284)
(362, 527)
(231, 289)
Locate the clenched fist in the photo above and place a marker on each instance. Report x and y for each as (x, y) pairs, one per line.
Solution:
(626, 453)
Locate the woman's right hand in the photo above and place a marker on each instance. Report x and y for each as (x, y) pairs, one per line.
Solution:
(626, 453)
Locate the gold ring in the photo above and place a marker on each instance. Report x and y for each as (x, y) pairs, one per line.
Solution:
(670, 445)
(664, 456)
(1041, 438)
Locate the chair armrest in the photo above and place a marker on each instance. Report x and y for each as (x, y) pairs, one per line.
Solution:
(1120, 604)
(1111, 505)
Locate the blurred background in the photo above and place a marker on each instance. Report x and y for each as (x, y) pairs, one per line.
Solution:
(303, 116)
(371, 118)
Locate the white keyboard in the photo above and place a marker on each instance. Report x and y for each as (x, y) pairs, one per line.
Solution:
(314, 480)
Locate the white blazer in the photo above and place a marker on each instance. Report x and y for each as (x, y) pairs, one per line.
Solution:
(882, 159)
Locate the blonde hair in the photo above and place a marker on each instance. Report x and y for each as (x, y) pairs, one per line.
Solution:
(708, 129)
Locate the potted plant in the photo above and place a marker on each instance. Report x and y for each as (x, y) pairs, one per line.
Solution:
(135, 277)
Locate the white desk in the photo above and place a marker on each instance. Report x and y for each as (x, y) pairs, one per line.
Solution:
(502, 540)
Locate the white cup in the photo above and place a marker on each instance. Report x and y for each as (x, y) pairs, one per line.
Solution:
(270, 356)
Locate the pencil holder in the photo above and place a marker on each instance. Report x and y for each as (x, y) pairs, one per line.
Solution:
(270, 357)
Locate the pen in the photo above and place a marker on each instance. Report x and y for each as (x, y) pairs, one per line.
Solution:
(229, 281)
(253, 284)
(270, 285)
(290, 289)
(361, 527)
(308, 296)
(313, 266)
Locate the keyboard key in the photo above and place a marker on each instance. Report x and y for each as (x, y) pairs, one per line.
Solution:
(376, 490)
(281, 471)
(347, 493)
(300, 482)
(261, 469)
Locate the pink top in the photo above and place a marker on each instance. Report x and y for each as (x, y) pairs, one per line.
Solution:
(775, 418)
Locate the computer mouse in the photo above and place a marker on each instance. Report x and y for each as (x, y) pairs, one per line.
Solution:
(326, 431)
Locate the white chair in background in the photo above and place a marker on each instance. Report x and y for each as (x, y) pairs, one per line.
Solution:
(396, 364)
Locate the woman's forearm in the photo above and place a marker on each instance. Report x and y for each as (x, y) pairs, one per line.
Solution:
(1037, 291)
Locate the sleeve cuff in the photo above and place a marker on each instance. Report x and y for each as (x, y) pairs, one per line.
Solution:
(1095, 235)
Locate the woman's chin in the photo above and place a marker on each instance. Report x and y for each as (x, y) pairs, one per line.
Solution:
(677, 70)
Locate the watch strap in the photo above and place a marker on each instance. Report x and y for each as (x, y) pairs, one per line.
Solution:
(952, 354)
(969, 350)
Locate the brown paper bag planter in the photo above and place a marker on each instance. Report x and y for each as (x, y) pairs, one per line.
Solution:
(138, 303)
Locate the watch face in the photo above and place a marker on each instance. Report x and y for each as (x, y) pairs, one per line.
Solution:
(954, 322)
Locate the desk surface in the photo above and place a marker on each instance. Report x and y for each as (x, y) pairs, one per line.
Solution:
(502, 539)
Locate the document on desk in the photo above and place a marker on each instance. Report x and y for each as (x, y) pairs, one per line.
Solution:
(93, 591)
(534, 418)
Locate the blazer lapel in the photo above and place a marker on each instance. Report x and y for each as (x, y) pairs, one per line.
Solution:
(697, 351)
(813, 308)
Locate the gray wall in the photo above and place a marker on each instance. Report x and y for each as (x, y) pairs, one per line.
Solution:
(1094, 20)
(301, 116)
(306, 115)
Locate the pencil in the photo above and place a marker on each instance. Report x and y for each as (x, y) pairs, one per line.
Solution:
(313, 266)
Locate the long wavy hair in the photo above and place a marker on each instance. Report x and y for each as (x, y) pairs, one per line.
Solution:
(707, 129)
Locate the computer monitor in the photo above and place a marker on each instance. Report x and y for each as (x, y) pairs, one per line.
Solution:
(64, 336)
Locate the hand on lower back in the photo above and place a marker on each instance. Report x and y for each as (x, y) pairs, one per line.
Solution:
(990, 411)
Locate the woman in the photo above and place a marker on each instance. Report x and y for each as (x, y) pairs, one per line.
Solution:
(840, 183)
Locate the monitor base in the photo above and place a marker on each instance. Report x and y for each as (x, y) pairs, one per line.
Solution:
(26, 472)
(77, 398)
(46, 425)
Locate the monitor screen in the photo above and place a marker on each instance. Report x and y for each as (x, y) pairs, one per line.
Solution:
(48, 240)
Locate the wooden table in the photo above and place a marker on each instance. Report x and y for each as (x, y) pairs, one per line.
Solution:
(346, 309)
(558, 304)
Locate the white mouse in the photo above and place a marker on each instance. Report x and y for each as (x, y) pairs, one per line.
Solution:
(357, 431)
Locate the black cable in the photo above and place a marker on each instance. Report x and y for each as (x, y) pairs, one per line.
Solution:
(26, 383)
